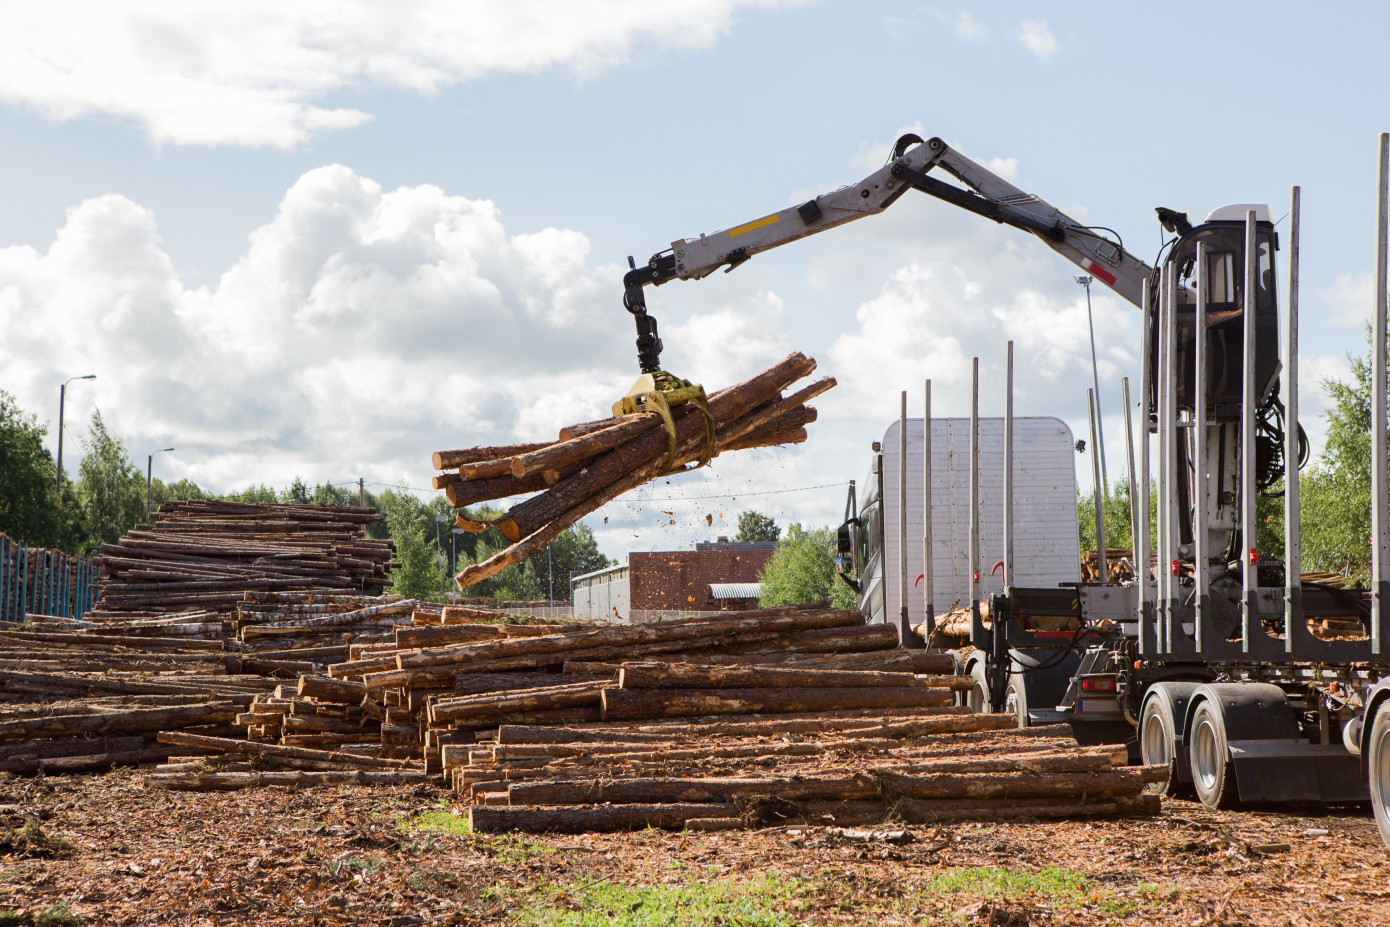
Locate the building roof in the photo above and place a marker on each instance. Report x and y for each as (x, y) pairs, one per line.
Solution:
(735, 590)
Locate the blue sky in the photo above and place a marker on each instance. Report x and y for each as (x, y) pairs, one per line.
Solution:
(326, 239)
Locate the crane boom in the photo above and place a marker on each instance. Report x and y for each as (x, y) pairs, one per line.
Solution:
(985, 193)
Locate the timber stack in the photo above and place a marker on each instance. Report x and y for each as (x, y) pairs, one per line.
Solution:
(205, 554)
(592, 463)
(90, 694)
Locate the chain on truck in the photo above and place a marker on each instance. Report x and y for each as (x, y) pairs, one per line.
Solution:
(1207, 662)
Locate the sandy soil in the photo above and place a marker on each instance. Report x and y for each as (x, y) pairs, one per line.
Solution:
(108, 851)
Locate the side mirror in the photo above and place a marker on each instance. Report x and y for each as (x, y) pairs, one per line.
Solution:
(844, 540)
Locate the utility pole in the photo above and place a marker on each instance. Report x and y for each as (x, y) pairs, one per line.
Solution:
(62, 400)
(1085, 281)
(361, 492)
(149, 479)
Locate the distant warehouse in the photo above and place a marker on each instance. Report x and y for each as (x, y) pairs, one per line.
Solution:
(715, 577)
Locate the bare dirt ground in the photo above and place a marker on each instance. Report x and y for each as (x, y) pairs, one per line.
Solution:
(104, 850)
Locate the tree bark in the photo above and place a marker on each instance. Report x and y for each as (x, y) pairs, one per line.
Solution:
(696, 676)
(448, 460)
(591, 820)
(230, 745)
(236, 781)
(640, 704)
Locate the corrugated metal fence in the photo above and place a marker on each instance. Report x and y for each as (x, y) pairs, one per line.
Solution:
(41, 581)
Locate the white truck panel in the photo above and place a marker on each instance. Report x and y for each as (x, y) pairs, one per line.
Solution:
(1045, 533)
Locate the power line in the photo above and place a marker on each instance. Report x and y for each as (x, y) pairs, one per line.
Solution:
(761, 492)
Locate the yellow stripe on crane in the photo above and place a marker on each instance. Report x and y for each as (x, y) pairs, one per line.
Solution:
(753, 226)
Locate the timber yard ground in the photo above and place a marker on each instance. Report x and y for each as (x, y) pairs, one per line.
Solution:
(103, 850)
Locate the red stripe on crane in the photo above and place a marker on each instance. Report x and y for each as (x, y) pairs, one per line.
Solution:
(1102, 273)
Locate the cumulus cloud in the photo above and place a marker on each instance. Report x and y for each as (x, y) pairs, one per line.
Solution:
(1037, 37)
(259, 73)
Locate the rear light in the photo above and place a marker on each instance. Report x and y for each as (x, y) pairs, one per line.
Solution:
(1098, 684)
(1254, 557)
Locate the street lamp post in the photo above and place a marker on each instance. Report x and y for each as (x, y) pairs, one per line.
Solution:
(1085, 280)
(453, 551)
(62, 400)
(438, 548)
(149, 478)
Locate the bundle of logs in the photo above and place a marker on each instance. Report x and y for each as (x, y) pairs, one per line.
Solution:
(797, 714)
(89, 694)
(206, 553)
(824, 771)
(595, 462)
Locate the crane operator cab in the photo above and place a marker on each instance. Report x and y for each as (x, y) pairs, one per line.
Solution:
(1223, 233)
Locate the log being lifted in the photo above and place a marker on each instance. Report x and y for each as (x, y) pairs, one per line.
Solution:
(619, 456)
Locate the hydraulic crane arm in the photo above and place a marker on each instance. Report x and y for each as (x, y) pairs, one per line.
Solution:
(985, 193)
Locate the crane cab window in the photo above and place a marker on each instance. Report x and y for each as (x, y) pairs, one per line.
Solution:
(1221, 277)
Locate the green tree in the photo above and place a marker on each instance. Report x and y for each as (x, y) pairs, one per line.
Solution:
(1335, 493)
(413, 529)
(573, 551)
(802, 569)
(755, 526)
(111, 489)
(29, 509)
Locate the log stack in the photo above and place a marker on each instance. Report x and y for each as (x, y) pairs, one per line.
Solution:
(593, 463)
(205, 554)
(843, 772)
(192, 672)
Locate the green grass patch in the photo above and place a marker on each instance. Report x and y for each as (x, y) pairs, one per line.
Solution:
(436, 821)
(58, 915)
(718, 903)
(1059, 885)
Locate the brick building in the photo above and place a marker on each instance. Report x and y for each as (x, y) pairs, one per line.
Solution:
(674, 583)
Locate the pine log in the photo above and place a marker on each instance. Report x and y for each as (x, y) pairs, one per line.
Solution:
(530, 516)
(324, 689)
(136, 719)
(434, 636)
(712, 789)
(1129, 781)
(639, 704)
(448, 460)
(479, 683)
(476, 708)
(694, 676)
(596, 498)
(571, 452)
(470, 492)
(236, 781)
(694, 630)
(230, 745)
(947, 723)
(591, 819)
(768, 438)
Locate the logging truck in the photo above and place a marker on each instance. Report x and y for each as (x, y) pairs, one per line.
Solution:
(1206, 659)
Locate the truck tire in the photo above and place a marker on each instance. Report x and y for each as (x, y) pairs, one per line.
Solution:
(1160, 735)
(1377, 752)
(1213, 773)
(1158, 741)
(977, 696)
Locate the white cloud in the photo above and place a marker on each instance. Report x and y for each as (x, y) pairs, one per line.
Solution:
(261, 73)
(1037, 37)
(968, 28)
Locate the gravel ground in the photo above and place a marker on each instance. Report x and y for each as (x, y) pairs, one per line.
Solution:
(104, 850)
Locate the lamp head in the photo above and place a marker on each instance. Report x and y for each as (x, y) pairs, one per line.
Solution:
(1082, 279)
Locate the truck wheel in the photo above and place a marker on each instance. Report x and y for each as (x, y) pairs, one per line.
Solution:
(1158, 742)
(977, 696)
(1213, 774)
(1377, 751)
(1016, 699)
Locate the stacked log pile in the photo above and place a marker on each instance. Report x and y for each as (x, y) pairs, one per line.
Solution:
(89, 694)
(593, 463)
(842, 772)
(205, 554)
